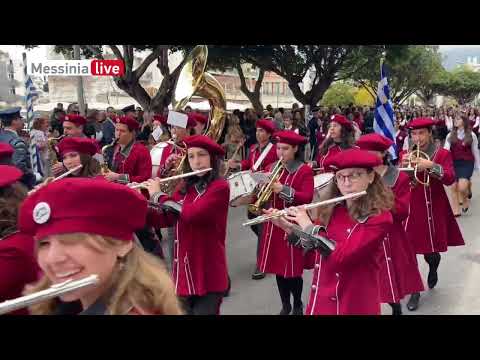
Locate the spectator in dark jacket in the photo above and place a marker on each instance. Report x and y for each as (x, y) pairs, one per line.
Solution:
(13, 123)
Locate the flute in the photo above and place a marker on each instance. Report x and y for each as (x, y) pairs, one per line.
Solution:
(51, 292)
(264, 218)
(181, 176)
(59, 177)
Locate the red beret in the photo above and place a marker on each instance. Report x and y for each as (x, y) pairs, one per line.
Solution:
(191, 122)
(420, 123)
(85, 206)
(199, 118)
(6, 151)
(352, 158)
(131, 123)
(267, 125)
(80, 145)
(9, 175)
(204, 142)
(374, 142)
(290, 137)
(76, 119)
(160, 118)
(342, 120)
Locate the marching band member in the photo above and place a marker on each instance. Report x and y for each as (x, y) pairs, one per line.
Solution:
(340, 137)
(463, 145)
(199, 266)
(128, 160)
(73, 126)
(260, 156)
(399, 274)
(76, 151)
(73, 242)
(17, 262)
(201, 121)
(165, 155)
(294, 187)
(345, 281)
(431, 225)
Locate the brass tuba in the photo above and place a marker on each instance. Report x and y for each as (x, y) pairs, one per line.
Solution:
(193, 80)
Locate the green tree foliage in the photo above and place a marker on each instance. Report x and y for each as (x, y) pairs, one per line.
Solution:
(339, 94)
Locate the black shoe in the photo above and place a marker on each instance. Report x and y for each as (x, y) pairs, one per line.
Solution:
(286, 309)
(412, 304)
(396, 308)
(258, 275)
(298, 310)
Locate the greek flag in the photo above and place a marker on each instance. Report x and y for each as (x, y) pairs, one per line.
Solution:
(384, 115)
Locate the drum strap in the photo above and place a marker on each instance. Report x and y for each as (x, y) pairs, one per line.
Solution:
(262, 156)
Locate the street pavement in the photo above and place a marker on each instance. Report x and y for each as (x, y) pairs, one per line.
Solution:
(457, 291)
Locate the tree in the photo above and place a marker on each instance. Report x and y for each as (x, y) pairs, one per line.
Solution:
(339, 94)
(222, 57)
(293, 62)
(410, 68)
(130, 81)
(463, 84)
(363, 97)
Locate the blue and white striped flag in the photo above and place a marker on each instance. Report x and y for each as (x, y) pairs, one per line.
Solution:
(384, 123)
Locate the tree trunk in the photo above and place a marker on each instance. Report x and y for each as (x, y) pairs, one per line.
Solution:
(253, 96)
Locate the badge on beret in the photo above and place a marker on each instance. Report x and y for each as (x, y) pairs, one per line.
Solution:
(41, 213)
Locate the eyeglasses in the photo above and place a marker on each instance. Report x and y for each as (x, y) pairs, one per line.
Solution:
(354, 177)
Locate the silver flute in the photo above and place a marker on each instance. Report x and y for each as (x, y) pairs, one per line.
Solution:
(51, 292)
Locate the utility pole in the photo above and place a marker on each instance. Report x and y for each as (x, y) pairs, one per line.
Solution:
(80, 96)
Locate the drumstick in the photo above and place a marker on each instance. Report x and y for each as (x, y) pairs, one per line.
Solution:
(318, 169)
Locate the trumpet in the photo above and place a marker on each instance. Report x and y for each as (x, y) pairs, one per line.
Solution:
(51, 292)
(265, 218)
(171, 178)
(266, 190)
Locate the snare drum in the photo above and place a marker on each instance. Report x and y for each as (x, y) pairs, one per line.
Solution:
(323, 190)
(242, 186)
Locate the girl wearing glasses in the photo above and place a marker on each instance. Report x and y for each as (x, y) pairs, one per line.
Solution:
(345, 280)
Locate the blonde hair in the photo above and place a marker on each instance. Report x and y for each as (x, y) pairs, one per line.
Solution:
(139, 281)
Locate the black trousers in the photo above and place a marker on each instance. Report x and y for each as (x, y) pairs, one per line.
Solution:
(287, 286)
(433, 259)
(208, 304)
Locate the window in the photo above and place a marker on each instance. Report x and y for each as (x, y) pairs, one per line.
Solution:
(12, 91)
(10, 76)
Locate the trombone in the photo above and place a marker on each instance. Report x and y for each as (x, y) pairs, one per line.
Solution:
(265, 218)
